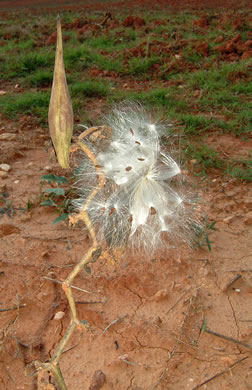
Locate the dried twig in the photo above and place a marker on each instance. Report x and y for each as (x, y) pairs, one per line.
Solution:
(220, 373)
(128, 362)
(175, 304)
(172, 353)
(91, 256)
(13, 307)
(114, 322)
(227, 338)
(87, 302)
(238, 276)
(75, 287)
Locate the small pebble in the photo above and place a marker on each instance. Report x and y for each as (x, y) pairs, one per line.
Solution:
(5, 167)
(3, 175)
(98, 380)
(7, 137)
(159, 296)
(193, 161)
(16, 181)
(248, 219)
(59, 315)
(229, 219)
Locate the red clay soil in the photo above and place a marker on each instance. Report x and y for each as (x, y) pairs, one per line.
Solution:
(105, 5)
(143, 315)
(160, 303)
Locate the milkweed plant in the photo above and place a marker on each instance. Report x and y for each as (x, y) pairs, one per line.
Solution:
(146, 201)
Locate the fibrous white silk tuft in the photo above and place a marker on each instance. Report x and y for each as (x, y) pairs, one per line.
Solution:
(145, 202)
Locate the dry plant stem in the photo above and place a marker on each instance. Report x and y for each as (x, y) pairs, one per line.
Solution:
(55, 370)
(67, 283)
(60, 282)
(88, 132)
(92, 255)
(220, 373)
(63, 342)
(227, 338)
(114, 322)
(92, 157)
(83, 214)
(13, 308)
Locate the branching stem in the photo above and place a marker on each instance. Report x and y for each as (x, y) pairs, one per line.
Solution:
(92, 255)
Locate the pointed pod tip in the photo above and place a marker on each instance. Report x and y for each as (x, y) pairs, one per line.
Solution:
(58, 21)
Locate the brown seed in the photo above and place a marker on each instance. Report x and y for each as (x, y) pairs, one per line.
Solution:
(128, 169)
(112, 211)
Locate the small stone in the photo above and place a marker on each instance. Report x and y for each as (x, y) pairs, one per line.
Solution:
(3, 175)
(193, 162)
(159, 296)
(45, 254)
(16, 86)
(7, 137)
(177, 56)
(59, 315)
(248, 219)
(16, 181)
(2, 93)
(98, 380)
(197, 93)
(229, 219)
(5, 167)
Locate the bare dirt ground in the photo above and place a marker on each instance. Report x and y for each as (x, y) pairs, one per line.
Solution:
(160, 303)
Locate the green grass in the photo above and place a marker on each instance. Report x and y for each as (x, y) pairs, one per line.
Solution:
(201, 94)
(41, 78)
(90, 88)
(140, 66)
(207, 158)
(27, 103)
(102, 42)
(24, 64)
(240, 169)
(82, 58)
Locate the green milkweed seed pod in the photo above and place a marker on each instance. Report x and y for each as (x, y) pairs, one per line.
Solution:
(60, 114)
